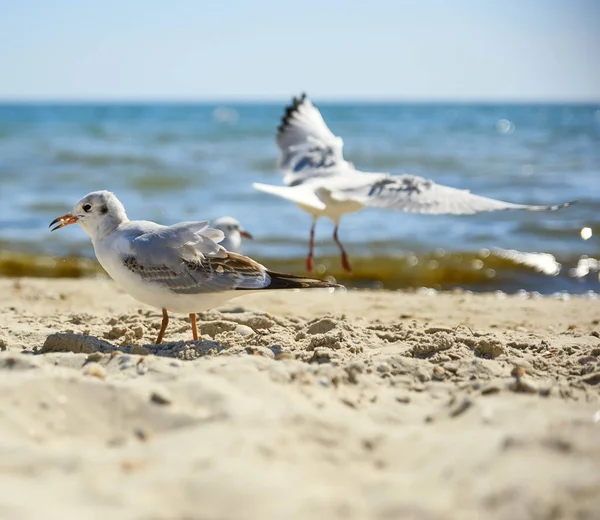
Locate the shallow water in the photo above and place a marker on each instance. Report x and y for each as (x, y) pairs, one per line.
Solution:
(181, 162)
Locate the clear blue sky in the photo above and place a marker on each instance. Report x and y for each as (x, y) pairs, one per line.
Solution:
(271, 49)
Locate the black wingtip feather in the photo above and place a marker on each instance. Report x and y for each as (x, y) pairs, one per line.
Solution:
(561, 206)
(289, 112)
(291, 281)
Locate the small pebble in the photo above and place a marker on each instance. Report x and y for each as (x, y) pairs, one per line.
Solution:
(461, 407)
(94, 356)
(490, 389)
(423, 376)
(592, 379)
(125, 361)
(95, 370)
(160, 397)
(261, 351)
(244, 330)
(439, 373)
(129, 466)
(524, 385)
(138, 331)
(353, 374)
(517, 372)
(116, 332)
(143, 434)
(139, 351)
(587, 359)
(383, 367)
(10, 362)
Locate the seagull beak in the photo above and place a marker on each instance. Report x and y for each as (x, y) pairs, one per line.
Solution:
(245, 234)
(63, 221)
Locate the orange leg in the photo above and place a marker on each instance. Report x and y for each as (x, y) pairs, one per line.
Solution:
(163, 327)
(345, 261)
(311, 247)
(194, 327)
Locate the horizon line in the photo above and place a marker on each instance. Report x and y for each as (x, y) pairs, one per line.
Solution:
(280, 100)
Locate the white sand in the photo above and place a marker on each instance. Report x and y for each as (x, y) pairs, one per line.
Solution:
(373, 405)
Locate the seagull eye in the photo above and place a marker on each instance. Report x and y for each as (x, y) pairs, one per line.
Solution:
(87, 207)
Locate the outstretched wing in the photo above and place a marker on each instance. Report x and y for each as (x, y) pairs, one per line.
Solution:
(303, 194)
(418, 195)
(307, 147)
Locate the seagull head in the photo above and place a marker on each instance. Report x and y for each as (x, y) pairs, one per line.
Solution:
(233, 231)
(98, 213)
(230, 225)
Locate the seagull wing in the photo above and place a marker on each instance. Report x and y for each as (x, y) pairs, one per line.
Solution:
(187, 259)
(307, 147)
(418, 195)
(302, 194)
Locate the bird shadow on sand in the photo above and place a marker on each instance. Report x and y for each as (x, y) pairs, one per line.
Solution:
(186, 350)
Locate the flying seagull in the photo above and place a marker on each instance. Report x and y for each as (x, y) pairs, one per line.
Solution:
(320, 181)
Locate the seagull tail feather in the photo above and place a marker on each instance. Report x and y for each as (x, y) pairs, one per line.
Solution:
(292, 281)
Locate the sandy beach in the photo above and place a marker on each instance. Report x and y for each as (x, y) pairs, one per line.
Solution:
(352, 405)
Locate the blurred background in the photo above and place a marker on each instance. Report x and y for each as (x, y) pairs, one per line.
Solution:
(174, 106)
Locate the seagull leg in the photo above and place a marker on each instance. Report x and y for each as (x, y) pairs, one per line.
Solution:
(345, 262)
(163, 327)
(311, 247)
(194, 327)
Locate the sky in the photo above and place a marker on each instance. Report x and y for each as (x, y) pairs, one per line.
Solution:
(186, 50)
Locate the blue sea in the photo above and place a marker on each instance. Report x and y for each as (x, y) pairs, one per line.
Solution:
(174, 162)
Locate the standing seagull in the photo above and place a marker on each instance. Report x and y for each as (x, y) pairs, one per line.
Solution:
(234, 232)
(323, 183)
(179, 268)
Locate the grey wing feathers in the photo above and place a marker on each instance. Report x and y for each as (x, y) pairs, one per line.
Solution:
(233, 272)
(169, 245)
(307, 146)
(187, 258)
(418, 195)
